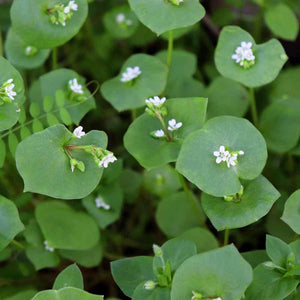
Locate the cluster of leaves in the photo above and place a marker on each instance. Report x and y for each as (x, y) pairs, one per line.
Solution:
(223, 165)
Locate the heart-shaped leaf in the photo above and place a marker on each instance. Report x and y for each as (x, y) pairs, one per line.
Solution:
(65, 228)
(45, 166)
(161, 16)
(129, 95)
(208, 274)
(150, 152)
(197, 162)
(269, 58)
(258, 197)
(69, 277)
(31, 21)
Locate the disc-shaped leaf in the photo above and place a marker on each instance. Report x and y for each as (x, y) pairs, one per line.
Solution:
(48, 85)
(15, 49)
(65, 228)
(69, 277)
(280, 124)
(45, 166)
(157, 14)
(128, 273)
(269, 285)
(121, 22)
(208, 274)
(257, 200)
(291, 213)
(269, 58)
(227, 97)
(112, 196)
(282, 21)
(31, 21)
(129, 95)
(188, 214)
(150, 152)
(66, 294)
(8, 111)
(197, 162)
(10, 223)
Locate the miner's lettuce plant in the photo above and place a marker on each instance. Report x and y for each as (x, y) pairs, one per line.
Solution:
(182, 183)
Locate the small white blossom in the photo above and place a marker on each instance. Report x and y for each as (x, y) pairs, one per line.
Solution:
(47, 247)
(28, 50)
(244, 53)
(120, 18)
(109, 158)
(78, 132)
(221, 155)
(71, 6)
(159, 133)
(156, 101)
(173, 125)
(150, 285)
(75, 86)
(8, 89)
(131, 73)
(219, 298)
(100, 203)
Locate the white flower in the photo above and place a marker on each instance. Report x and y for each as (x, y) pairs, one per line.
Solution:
(219, 298)
(221, 155)
(78, 132)
(100, 203)
(109, 158)
(71, 6)
(8, 88)
(156, 101)
(47, 247)
(75, 86)
(130, 74)
(231, 160)
(149, 285)
(173, 125)
(159, 133)
(120, 18)
(28, 50)
(243, 53)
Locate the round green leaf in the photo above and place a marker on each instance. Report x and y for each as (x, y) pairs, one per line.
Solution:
(174, 222)
(156, 14)
(45, 167)
(269, 58)
(227, 97)
(121, 29)
(10, 223)
(280, 124)
(8, 111)
(217, 273)
(15, 49)
(257, 200)
(150, 152)
(291, 213)
(65, 228)
(112, 196)
(66, 294)
(31, 21)
(197, 162)
(282, 21)
(48, 86)
(129, 95)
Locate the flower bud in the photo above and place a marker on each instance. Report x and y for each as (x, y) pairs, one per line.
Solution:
(150, 285)
(196, 296)
(157, 250)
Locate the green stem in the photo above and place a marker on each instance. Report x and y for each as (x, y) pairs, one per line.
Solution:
(133, 114)
(253, 107)
(226, 237)
(19, 245)
(170, 49)
(54, 59)
(190, 198)
(1, 44)
(258, 26)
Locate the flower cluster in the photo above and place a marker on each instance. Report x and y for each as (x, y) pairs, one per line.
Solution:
(100, 203)
(76, 90)
(30, 51)
(156, 109)
(224, 155)
(244, 55)
(59, 14)
(7, 92)
(122, 20)
(130, 74)
(47, 247)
